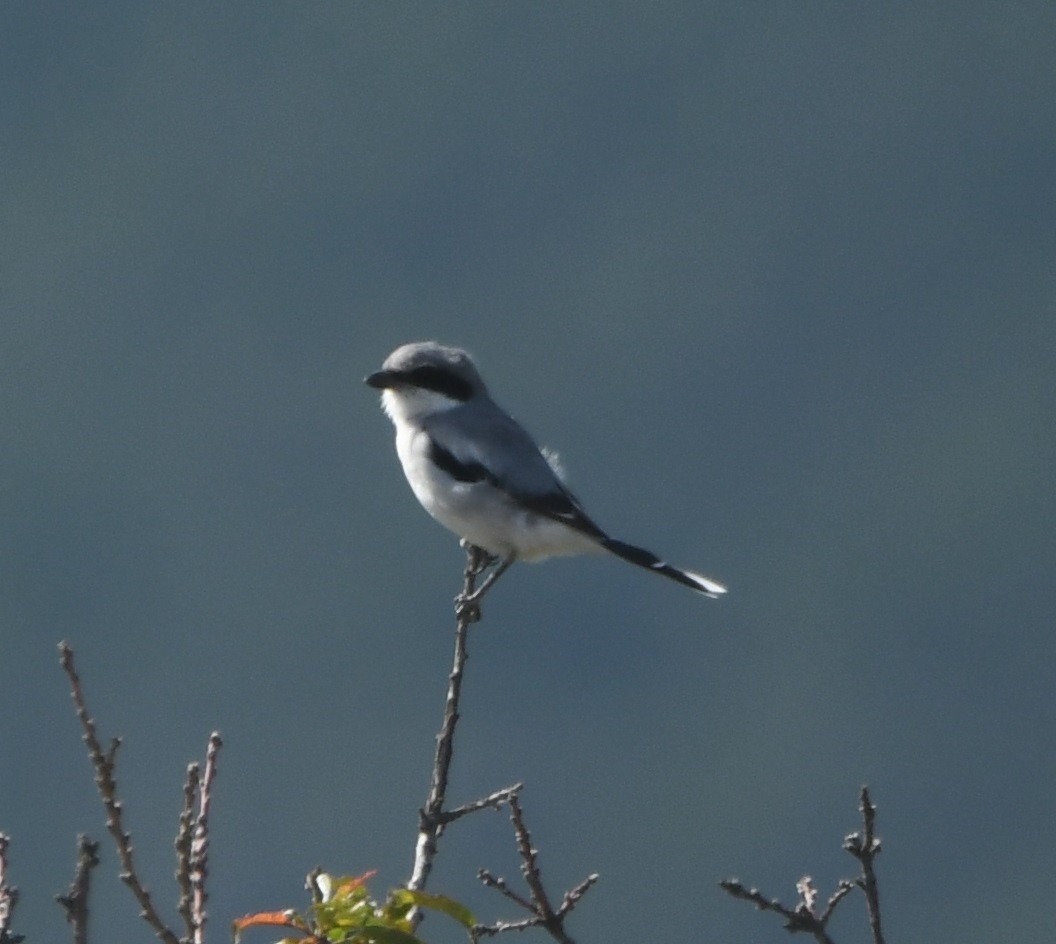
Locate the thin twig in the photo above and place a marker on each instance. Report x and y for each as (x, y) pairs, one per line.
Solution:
(530, 864)
(494, 801)
(192, 842)
(500, 885)
(865, 848)
(804, 917)
(499, 927)
(733, 887)
(537, 904)
(199, 853)
(8, 897)
(103, 763)
(432, 818)
(843, 888)
(75, 901)
(800, 918)
(573, 896)
(184, 835)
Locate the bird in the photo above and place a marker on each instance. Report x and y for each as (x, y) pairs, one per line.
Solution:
(479, 473)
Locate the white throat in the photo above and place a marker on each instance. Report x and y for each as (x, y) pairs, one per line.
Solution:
(412, 404)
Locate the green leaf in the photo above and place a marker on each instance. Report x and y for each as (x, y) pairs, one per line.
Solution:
(441, 903)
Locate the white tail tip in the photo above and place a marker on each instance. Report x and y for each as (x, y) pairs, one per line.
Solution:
(711, 587)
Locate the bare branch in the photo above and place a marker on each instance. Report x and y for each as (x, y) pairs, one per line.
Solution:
(500, 885)
(8, 897)
(75, 901)
(530, 862)
(199, 852)
(490, 930)
(103, 764)
(537, 904)
(733, 887)
(800, 918)
(432, 818)
(572, 896)
(184, 836)
(495, 800)
(843, 888)
(804, 917)
(865, 848)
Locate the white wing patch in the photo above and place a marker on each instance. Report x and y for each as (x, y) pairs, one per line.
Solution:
(554, 461)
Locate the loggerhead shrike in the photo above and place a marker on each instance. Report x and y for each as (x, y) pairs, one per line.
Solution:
(478, 473)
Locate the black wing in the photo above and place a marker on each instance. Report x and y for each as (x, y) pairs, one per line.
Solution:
(557, 505)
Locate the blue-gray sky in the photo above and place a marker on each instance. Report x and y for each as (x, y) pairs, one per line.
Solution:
(778, 282)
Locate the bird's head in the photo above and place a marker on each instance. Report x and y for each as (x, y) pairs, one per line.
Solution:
(425, 377)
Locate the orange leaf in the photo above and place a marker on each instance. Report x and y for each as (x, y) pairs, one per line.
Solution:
(274, 919)
(356, 882)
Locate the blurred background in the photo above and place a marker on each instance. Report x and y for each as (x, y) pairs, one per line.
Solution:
(776, 280)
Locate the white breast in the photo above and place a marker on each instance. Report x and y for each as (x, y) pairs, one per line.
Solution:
(479, 512)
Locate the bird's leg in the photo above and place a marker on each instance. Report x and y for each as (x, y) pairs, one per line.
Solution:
(500, 569)
(479, 559)
(468, 604)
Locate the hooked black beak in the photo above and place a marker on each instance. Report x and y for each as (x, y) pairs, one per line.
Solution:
(380, 380)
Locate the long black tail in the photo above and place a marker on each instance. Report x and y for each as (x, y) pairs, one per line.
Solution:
(648, 560)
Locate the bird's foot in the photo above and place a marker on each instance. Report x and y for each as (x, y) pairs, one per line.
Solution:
(467, 607)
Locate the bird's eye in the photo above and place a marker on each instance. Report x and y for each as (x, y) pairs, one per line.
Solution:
(439, 381)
